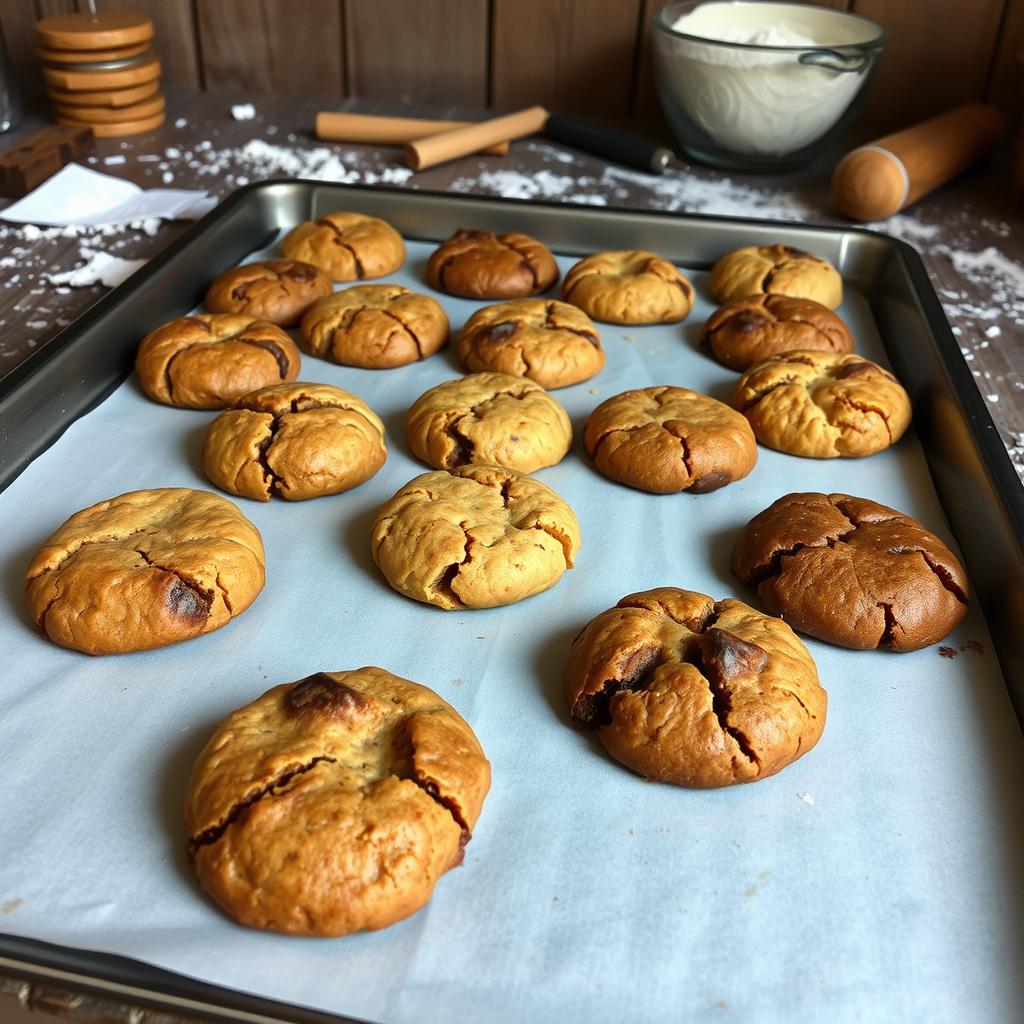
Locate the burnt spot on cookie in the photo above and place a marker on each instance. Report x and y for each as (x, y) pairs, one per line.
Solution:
(592, 711)
(710, 482)
(321, 694)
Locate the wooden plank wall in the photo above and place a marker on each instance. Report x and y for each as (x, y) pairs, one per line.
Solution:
(585, 56)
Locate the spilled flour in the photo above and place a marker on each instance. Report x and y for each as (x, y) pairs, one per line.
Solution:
(99, 268)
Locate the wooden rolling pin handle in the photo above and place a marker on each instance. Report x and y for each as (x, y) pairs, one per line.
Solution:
(458, 142)
(391, 131)
(875, 181)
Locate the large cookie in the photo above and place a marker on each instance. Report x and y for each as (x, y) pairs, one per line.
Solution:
(211, 360)
(852, 572)
(490, 419)
(145, 569)
(474, 537)
(276, 290)
(823, 405)
(667, 439)
(294, 441)
(685, 689)
(483, 265)
(334, 803)
(348, 246)
(628, 288)
(777, 269)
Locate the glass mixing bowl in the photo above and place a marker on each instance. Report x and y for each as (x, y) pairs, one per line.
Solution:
(769, 104)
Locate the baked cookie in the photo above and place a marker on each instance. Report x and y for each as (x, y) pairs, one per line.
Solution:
(482, 265)
(474, 537)
(552, 343)
(334, 803)
(822, 405)
(276, 290)
(685, 689)
(375, 326)
(745, 331)
(349, 246)
(852, 572)
(667, 439)
(491, 419)
(779, 270)
(143, 570)
(209, 361)
(295, 441)
(628, 288)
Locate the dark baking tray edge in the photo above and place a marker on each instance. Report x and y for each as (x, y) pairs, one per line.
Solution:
(972, 472)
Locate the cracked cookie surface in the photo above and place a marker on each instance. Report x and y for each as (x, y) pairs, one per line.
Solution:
(143, 570)
(294, 441)
(666, 439)
(334, 804)
(491, 419)
(852, 572)
(682, 688)
(348, 246)
(276, 290)
(552, 343)
(748, 330)
(628, 287)
(210, 360)
(375, 326)
(777, 269)
(483, 265)
(822, 405)
(474, 537)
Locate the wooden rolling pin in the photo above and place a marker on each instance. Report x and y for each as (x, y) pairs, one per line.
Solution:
(457, 142)
(390, 131)
(875, 181)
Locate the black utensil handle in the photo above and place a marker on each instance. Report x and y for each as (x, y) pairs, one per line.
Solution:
(631, 150)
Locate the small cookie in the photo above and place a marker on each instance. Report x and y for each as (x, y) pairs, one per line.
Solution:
(211, 360)
(683, 689)
(276, 290)
(295, 441)
(852, 572)
(822, 405)
(628, 288)
(491, 419)
(482, 265)
(334, 804)
(746, 331)
(375, 326)
(667, 439)
(349, 246)
(474, 537)
(145, 569)
(552, 343)
(778, 269)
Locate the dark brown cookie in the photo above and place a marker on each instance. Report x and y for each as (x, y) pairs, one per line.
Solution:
(852, 572)
(685, 689)
(482, 265)
(276, 290)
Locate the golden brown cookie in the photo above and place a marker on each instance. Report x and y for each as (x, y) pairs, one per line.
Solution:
(143, 570)
(349, 246)
(778, 269)
(474, 537)
(295, 441)
(667, 439)
(552, 343)
(628, 288)
(491, 419)
(685, 689)
(209, 361)
(852, 572)
(746, 331)
(375, 326)
(822, 405)
(276, 290)
(334, 804)
(482, 265)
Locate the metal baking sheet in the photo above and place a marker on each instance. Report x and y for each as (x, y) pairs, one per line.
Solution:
(879, 870)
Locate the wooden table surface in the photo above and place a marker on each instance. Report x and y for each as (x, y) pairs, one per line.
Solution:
(969, 233)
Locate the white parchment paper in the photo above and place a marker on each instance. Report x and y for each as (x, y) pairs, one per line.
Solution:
(879, 876)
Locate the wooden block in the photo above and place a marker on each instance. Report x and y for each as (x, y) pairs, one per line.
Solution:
(27, 165)
(110, 115)
(113, 98)
(102, 31)
(116, 130)
(91, 56)
(90, 81)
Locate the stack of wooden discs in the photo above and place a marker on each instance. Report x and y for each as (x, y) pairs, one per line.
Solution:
(99, 71)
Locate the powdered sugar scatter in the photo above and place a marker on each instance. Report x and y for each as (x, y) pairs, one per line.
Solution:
(99, 268)
(243, 111)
